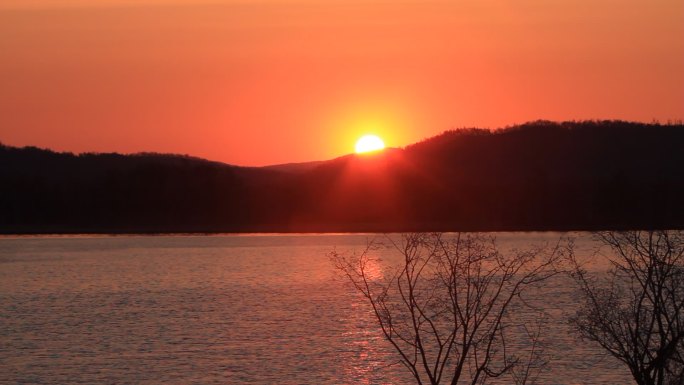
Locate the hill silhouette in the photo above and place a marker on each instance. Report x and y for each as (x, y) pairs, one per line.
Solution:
(536, 176)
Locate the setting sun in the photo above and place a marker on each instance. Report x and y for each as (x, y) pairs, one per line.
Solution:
(368, 143)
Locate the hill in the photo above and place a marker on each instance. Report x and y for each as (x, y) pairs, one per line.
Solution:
(536, 176)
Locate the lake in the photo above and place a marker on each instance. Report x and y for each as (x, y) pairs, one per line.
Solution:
(222, 309)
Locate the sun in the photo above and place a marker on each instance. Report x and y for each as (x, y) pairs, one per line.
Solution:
(368, 143)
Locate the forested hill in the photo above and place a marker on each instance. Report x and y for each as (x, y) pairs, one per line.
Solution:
(536, 176)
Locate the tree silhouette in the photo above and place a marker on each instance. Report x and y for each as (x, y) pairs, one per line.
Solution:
(444, 308)
(636, 313)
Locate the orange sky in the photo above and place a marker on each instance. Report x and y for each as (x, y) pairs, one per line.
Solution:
(275, 81)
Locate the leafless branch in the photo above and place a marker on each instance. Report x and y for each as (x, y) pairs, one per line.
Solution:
(444, 307)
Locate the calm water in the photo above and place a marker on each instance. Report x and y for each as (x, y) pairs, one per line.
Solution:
(266, 309)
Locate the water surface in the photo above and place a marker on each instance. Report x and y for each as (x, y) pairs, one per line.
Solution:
(228, 309)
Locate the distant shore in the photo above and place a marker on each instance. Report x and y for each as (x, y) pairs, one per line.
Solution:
(539, 176)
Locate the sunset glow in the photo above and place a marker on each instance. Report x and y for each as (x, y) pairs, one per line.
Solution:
(218, 79)
(369, 143)
(252, 192)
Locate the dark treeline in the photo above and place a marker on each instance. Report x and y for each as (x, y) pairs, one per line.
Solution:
(536, 176)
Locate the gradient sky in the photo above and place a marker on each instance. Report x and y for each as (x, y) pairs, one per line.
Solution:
(276, 81)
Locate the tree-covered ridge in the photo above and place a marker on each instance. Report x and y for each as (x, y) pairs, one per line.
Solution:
(536, 176)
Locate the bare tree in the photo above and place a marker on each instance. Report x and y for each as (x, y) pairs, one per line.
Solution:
(444, 306)
(635, 312)
(529, 369)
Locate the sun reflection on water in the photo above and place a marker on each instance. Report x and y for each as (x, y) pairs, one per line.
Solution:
(371, 358)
